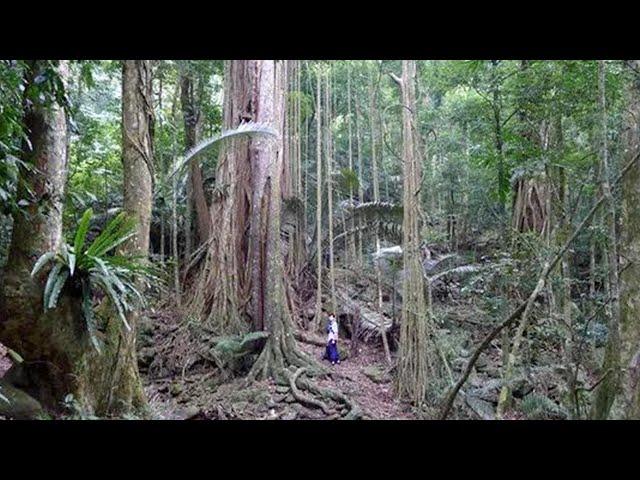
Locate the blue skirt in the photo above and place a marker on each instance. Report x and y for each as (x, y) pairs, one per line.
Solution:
(331, 352)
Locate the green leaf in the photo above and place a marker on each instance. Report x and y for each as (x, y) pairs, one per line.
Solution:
(117, 231)
(87, 312)
(81, 233)
(41, 262)
(57, 288)
(51, 280)
(72, 262)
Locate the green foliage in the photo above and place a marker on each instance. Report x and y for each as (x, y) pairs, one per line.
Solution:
(378, 211)
(539, 407)
(347, 181)
(84, 269)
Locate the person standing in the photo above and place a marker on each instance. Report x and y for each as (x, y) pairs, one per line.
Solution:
(331, 352)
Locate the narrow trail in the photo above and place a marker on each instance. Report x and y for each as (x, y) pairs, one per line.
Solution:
(377, 400)
(203, 393)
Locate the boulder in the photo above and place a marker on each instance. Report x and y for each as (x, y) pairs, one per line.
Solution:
(483, 409)
(376, 375)
(18, 405)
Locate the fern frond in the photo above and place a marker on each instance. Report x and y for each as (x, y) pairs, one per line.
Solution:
(378, 211)
(42, 261)
(81, 233)
(451, 271)
(51, 280)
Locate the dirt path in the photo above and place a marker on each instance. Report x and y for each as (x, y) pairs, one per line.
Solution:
(377, 400)
(203, 394)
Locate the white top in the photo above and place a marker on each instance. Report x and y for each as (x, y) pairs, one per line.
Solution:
(333, 329)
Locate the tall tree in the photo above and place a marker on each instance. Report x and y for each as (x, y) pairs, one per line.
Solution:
(373, 89)
(317, 319)
(191, 97)
(607, 389)
(329, 168)
(220, 295)
(630, 252)
(414, 355)
(127, 395)
(41, 339)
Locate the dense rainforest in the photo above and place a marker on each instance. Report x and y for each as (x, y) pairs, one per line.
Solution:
(293, 239)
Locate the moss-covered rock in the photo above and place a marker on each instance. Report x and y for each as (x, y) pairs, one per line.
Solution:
(16, 404)
(376, 375)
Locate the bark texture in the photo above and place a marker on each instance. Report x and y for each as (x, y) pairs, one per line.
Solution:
(630, 252)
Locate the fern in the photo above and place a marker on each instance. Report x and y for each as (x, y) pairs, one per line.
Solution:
(539, 407)
(81, 233)
(95, 267)
(455, 270)
(378, 211)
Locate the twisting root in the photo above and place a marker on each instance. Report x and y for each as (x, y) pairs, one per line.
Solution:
(301, 398)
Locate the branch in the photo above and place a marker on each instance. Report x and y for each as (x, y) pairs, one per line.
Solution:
(396, 79)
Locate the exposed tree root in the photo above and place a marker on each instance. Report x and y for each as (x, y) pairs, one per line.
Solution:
(277, 360)
(310, 339)
(304, 399)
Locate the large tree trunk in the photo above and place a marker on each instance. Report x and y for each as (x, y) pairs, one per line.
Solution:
(126, 394)
(191, 115)
(415, 364)
(58, 357)
(220, 294)
(630, 252)
(41, 339)
(268, 283)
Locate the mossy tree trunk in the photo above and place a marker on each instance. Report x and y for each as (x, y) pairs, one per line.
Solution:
(630, 252)
(122, 380)
(415, 356)
(190, 101)
(268, 265)
(58, 357)
(45, 373)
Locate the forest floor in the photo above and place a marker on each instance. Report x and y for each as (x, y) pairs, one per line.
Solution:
(201, 396)
(191, 388)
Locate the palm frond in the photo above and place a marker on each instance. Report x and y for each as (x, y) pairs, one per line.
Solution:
(378, 211)
(245, 129)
